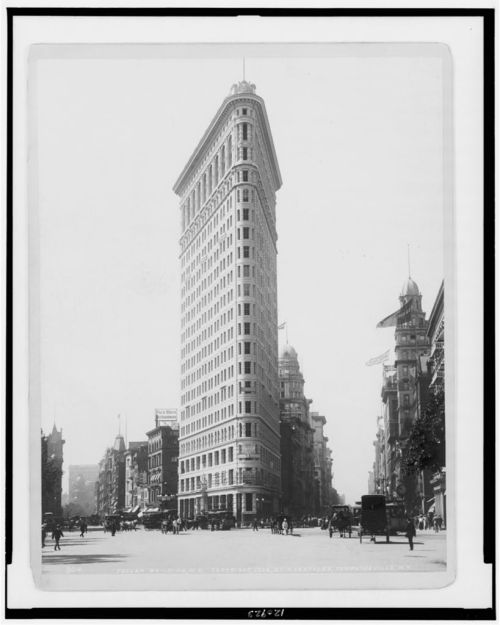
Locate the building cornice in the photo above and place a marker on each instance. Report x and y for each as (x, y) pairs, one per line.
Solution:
(215, 127)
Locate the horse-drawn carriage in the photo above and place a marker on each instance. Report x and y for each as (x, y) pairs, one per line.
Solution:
(340, 521)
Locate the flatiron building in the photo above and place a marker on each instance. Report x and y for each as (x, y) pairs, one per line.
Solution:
(229, 443)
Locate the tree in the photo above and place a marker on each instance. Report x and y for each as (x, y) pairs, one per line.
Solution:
(425, 447)
(72, 510)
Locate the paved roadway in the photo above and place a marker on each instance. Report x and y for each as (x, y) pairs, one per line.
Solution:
(205, 552)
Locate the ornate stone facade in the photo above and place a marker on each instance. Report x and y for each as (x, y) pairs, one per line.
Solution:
(110, 487)
(229, 421)
(297, 449)
(52, 461)
(163, 461)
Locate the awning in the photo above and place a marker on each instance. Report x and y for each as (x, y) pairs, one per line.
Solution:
(135, 509)
(431, 499)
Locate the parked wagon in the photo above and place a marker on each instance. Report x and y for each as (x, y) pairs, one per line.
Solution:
(373, 520)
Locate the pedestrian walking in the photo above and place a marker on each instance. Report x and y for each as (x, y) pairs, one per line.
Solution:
(255, 527)
(330, 527)
(44, 534)
(83, 528)
(410, 533)
(284, 526)
(56, 535)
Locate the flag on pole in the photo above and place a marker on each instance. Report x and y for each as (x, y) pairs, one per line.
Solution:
(379, 359)
(404, 313)
(282, 325)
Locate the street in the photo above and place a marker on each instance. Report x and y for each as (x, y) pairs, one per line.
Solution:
(239, 551)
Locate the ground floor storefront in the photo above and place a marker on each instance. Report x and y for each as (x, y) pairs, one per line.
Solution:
(245, 504)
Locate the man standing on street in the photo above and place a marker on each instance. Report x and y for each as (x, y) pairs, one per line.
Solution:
(56, 535)
(410, 532)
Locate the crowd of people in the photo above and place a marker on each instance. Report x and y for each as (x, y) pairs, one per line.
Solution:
(429, 521)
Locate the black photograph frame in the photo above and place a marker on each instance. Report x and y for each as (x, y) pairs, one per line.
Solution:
(246, 612)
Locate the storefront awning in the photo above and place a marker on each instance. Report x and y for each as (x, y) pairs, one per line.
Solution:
(135, 509)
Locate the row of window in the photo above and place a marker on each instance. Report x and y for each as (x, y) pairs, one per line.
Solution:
(201, 247)
(207, 460)
(215, 171)
(207, 440)
(203, 332)
(265, 331)
(207, 402)
(209, 383)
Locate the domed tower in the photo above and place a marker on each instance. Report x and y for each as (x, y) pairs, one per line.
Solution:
(411, 343)
(297, 445)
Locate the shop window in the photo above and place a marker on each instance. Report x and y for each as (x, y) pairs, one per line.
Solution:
(248, 502)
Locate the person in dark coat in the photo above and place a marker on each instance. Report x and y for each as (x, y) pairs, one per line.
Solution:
(410, 533)
(44, 534)
(56, 535)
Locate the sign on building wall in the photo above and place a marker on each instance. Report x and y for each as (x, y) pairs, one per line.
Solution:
(166, 416)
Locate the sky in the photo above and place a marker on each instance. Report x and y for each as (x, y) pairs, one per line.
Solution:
(359, 144)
